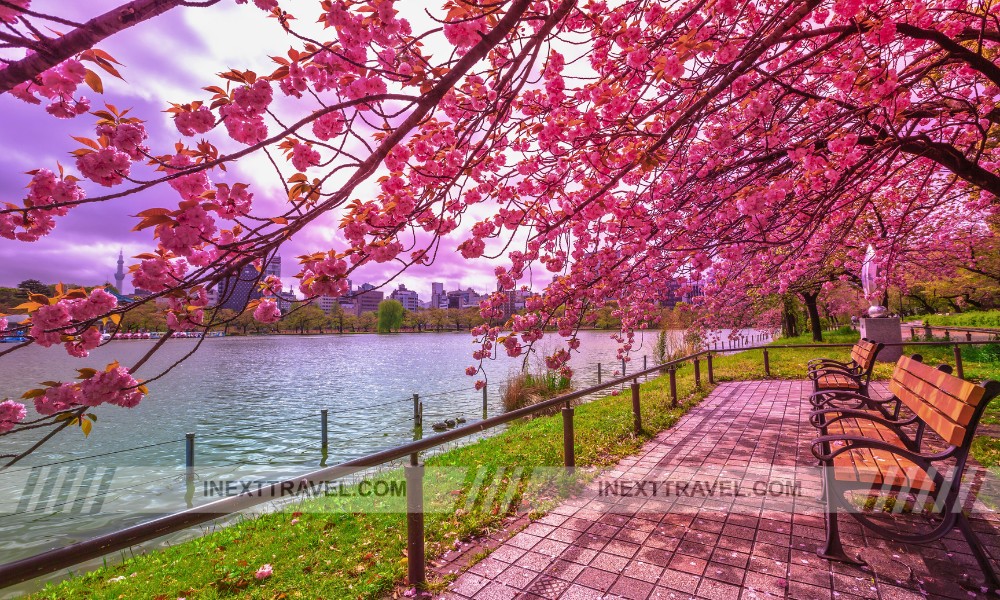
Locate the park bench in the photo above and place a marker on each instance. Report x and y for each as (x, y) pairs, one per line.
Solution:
(887, 407)
(852, 376)
(870, 457)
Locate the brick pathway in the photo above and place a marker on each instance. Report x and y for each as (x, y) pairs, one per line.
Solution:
(617, 540)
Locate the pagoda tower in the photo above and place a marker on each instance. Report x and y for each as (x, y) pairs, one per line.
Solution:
(120, 274)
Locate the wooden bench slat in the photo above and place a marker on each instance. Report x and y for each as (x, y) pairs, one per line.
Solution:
(837, 381)
(944, 402)
(950, 431)
(949, 406)
(876, 467)
(959, 389)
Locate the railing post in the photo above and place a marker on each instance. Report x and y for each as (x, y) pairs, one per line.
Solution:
(644, 367)
(711, 374)
(913, 333)
(697, 372)
(598, 373)
(673, 386)
(928, 332)
(416, 411)
(947, 334)
(484, 402)
(415, 522)
(189, 454)
(569, 455)
(767, 364)
(189, 470)
(958, 361)
(323, 437)
(968, 336)
(636, 408)
(623, 367)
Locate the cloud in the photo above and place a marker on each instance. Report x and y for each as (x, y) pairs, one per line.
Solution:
(170, 58)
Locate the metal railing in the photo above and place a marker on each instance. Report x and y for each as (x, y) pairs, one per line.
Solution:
(51, 561)
(54, 560)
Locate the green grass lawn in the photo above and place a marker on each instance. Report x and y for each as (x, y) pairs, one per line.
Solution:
(330, 554)
(361, 555)
(974, 318)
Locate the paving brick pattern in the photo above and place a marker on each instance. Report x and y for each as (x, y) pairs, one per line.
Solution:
(737, 546)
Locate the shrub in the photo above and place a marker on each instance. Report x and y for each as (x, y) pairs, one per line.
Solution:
(525, 389)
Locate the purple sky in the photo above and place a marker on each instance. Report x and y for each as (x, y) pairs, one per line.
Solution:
(167, 59)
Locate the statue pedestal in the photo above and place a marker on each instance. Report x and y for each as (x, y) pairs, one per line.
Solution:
(887, 331)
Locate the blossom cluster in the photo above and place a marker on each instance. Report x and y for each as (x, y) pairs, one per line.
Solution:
(50, 323)
(11, 413)
(115, 385)
(44, 190)
(244, 116)
(59, 85)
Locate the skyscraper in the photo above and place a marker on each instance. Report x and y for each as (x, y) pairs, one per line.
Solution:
(120, 274)
(236, 291)
(437, 295)
(408, 298)
(273, 266)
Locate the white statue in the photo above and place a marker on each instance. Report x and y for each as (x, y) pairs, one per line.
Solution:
(869, 283)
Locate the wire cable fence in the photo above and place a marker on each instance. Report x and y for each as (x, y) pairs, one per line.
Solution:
(92, 456)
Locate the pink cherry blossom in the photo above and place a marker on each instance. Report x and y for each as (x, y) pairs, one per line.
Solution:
(304, 156)
(107, 166)
(116, 387)
(264, 572)
(328, 126)
(81, 345)
(267, 312)
(58, 399)
(48, 323)
(127, 137)
(11, 413)
(191, 122)
(9, 14)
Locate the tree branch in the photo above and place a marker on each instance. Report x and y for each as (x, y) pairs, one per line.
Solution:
(83, 38)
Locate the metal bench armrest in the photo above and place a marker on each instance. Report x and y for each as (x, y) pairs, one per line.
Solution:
(840, 414)
(857, 442)
(816, 374)
(829, 361)
(828, 398)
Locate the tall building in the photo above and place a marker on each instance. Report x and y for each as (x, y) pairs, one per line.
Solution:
(273, 266)
(515, 300)
(366, 299)
(285, 300)
(326, 303)
(120, 274)
(437, 295)
(466, 298)
(408, 298)
(236, 291)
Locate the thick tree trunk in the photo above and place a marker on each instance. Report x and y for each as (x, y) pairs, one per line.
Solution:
(789, 324)
(812, 308)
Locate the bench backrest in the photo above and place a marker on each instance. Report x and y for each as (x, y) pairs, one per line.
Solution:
(945, 403)
(863, 354)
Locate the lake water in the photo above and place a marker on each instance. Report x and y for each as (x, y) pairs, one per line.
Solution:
(254, 404)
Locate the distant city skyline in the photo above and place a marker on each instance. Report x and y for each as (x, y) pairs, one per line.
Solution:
(426, 288)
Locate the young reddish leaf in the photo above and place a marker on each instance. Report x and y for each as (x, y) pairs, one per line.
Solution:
(94, 81)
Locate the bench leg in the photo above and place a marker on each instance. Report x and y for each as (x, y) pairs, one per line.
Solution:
(977, 549)
(832, 549)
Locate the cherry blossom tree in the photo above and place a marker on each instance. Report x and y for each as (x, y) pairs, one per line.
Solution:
(618, 148)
